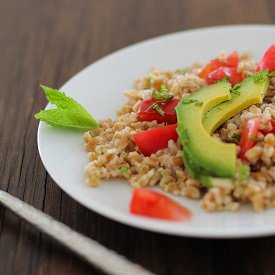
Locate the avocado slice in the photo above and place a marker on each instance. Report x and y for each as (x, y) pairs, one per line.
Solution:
(203, 155)
(250, 91)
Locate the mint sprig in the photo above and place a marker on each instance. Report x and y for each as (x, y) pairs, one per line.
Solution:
(68, 114)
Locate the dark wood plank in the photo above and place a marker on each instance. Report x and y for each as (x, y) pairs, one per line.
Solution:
(48, 42)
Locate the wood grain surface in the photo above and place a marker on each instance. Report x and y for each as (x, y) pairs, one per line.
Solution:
(48, 42)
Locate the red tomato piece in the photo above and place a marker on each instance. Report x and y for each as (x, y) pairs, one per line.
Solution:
(232, 60)
(145, 113)
(233, 75)
(250, 129)
(272, 130)
(211, 66)
(268, 60)
(150, 141)
(156, 205)
(273, 125)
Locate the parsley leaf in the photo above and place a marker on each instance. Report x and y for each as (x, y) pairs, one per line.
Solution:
(68, 114)
(235, 89)
(163, 90)
(235, 137)
(271, 74)
(162, 97)
(260, 76)
(156, 107)
(162, 94)
(195, 101)
(156, 95)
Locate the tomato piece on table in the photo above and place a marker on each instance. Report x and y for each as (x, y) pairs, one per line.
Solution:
(249, 131)
(150, 141)
(232, 60)
(153, 204)
(147, 113)
(268, 60)
(233, 75)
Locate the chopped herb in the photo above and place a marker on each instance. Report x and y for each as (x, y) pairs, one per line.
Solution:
(235, 137)
(162, 96)
(163, 90)
(244, 172)
(253, 138)
(156, 107)
(235, 89)
(260, 76)
(195, 101)
(165, 100)
(124, 170)
(156, 95)
(271, 74)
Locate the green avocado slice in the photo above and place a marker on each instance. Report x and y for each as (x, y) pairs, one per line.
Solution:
(250, 91)
(203, 155)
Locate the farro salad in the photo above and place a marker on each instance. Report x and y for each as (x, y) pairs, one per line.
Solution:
(205, 132)
(147, 147)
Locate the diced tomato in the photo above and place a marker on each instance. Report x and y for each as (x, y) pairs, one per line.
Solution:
(150, 141)
(211, 66)
(273, 125)
(154, 204)
(232, 60)
(250, 129)
(145, 113)
(233, 75)
(272, 129)
(268, 60)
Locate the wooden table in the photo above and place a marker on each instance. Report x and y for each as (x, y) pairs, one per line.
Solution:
(48, 42)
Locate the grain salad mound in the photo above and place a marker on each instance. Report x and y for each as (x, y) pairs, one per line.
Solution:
(112, 152)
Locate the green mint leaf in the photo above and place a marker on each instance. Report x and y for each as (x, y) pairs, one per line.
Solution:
(253, 138)
(195, 101)
(244, 172)
(68, 114)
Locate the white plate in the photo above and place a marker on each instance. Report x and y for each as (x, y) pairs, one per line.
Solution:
(99, 88)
